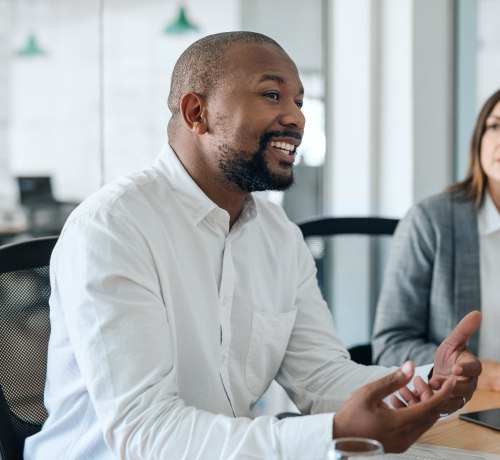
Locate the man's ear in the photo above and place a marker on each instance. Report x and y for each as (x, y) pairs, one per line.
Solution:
(193, 113)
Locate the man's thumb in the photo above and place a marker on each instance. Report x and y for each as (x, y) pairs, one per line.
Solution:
(464, 329)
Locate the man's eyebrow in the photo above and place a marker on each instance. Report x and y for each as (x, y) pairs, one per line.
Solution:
(277, 79)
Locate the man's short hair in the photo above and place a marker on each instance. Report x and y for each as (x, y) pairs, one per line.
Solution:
(203, 64)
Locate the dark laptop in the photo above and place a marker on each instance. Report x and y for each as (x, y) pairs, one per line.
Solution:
(35, 190)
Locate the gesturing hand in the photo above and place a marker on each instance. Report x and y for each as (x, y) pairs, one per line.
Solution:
(452, 358)
(365, 414)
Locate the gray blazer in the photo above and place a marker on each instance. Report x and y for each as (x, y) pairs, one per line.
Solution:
(431, 281)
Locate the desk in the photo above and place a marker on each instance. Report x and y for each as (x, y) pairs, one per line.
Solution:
(42, 219)
(10, 232)
(453, 432)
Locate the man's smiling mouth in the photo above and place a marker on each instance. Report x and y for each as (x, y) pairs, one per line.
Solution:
(284, 146)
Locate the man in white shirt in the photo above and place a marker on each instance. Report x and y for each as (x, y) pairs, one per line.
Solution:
(177, 296)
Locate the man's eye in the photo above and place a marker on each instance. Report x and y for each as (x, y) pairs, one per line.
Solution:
(299, 104)
(273, 95)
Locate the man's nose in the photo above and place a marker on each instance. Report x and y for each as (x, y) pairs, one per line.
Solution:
(293, 117)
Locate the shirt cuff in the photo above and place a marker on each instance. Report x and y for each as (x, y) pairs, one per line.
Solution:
(307, 436)
(423, 372)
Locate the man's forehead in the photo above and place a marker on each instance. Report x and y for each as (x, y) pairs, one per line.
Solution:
(261, 62)
(258, 53)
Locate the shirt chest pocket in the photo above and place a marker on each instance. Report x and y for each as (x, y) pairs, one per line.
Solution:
(268, 342)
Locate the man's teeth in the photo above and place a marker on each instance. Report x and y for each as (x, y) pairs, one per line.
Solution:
(282, 146)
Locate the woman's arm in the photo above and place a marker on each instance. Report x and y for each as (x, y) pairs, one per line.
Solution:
(401, 324)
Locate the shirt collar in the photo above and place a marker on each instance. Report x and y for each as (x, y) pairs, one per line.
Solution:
(488, 217)
(192, 196)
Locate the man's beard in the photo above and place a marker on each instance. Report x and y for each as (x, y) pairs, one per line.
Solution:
(250, 172)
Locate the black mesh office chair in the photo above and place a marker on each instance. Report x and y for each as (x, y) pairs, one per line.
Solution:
(315, 230)
(24, 334)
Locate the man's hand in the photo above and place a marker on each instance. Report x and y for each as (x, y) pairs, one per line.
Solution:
(453, 359)
(365, 414)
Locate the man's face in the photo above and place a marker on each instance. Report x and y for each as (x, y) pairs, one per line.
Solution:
(256, 119)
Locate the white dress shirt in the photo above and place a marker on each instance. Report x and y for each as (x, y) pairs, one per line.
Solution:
(167, 327)
(489, 266)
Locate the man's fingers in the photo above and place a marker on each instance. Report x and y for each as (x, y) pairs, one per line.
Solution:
(408, 396)
(418, 418)
(464, 329)
(379, 389)
(440, 397)
(422, 389)
(464, 388)
(436, 403)
(396, 402)
(468, 366)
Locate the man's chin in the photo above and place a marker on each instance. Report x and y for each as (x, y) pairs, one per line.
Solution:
(275, 185)
(281, 183)
(257, 176)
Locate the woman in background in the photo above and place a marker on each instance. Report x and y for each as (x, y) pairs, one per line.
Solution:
(445, 261)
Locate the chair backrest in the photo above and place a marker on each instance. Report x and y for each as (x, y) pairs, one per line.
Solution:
(317, 229)
(327, 226)
(24, 335)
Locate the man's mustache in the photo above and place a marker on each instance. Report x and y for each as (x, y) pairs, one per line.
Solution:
(289, 133)
(267, 136)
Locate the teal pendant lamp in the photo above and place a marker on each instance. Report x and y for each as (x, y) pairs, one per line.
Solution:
(31, 48)
(181, 25)
(29, 16)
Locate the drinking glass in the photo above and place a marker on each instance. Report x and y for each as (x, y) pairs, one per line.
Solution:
(344, 448)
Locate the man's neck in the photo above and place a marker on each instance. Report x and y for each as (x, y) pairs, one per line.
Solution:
(230, 201)
(225, 195)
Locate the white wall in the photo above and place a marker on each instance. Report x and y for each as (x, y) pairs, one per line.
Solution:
(390, 97)
(432, 96)
(54, 109)
(389, 127)
(295, 25)
(395, 182)
(351, 158)
(488, 50)
(6, 189)
(352, 108)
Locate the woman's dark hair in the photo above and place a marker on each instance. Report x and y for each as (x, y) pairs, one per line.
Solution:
(474, 185)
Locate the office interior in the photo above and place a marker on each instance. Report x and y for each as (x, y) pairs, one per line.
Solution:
(392, 91)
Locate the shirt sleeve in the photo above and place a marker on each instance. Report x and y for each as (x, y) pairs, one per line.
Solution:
(317, 371)
(107, 291)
